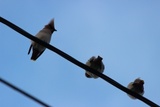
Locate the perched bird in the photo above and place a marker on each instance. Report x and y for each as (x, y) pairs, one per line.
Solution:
(44, 35)
(95, 63)
(136, 86)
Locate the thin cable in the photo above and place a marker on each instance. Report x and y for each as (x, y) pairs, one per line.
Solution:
(78, 63)
(23, 92)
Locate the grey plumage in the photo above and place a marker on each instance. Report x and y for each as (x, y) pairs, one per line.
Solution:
(45, 35)
(136, 86)
(95, 63)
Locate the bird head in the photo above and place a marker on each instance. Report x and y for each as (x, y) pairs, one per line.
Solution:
(99, 58)
(51, 26)
(139, 81)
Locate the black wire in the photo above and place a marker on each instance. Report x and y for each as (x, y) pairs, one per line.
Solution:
(78, 63)
(24, 93)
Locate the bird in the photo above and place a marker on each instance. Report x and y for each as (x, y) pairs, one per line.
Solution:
(44, 35)
(137, 87)
(95, 63)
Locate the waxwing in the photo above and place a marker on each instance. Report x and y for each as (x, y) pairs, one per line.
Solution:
(44, 35)
(95, 63)
(136, 86)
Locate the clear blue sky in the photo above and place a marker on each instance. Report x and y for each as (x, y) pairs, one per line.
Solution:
(124, 32)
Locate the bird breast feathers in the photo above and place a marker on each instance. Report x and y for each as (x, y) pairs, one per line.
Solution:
(44, 35)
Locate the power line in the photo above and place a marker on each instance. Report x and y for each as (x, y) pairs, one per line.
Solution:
(23, 92)
(78, 63)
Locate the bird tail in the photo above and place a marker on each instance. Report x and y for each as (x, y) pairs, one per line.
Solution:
(34, 55)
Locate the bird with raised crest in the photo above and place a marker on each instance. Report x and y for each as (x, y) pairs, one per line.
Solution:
(44, 35)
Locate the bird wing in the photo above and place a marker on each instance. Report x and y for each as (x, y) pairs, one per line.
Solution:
(102, 67)
(29, 49)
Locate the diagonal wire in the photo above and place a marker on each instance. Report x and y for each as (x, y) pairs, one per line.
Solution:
(78, 63)
(23, 92)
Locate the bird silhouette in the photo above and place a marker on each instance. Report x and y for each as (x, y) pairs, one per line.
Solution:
(44, 35)
(136, 86)
(95, 63)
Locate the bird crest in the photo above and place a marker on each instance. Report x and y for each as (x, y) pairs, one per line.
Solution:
(51, 26)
